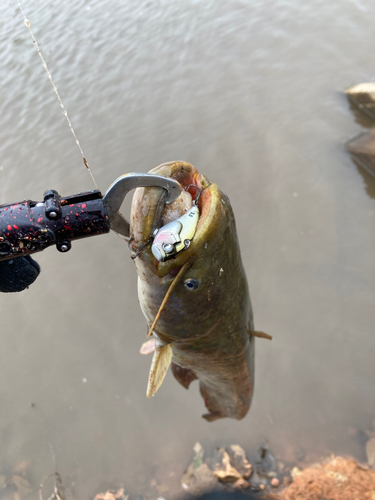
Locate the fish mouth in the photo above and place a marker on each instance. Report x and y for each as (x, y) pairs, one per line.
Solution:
(144, 212)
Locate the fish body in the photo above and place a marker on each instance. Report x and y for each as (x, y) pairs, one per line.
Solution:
(207, 320)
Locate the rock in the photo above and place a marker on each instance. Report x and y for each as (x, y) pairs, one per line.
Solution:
(295, 472)
(258, 481)
(199, 454)
(362, 148)
(241, 484)
(198, 477)
(112, 495)
(225, 472)
(229, 468)
(198, 480)
(275, 482)
(370, 452)
(266, 466)
(363, 95)
(239, 461)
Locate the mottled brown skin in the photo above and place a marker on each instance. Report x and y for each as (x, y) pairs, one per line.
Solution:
(207, 328)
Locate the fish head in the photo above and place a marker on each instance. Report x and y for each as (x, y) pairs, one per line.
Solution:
(144, 212)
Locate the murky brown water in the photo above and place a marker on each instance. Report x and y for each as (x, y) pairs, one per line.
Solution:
(250, 92)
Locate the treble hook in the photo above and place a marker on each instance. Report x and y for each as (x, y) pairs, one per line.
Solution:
(199, 193)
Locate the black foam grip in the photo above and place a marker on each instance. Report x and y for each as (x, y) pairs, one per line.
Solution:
(18, 274)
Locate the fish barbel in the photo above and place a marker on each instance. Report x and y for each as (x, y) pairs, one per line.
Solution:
(205, 327)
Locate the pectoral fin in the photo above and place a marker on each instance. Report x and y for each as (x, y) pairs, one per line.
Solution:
(148, 347)
(261, 335)
(159, 366)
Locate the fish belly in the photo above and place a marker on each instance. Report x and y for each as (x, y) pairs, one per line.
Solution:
(226, 388)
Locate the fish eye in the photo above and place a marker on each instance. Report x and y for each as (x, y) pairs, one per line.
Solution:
(191, 284)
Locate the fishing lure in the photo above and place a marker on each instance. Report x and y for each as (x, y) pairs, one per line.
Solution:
(175, 236)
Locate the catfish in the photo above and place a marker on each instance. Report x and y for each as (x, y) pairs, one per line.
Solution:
(196, 303)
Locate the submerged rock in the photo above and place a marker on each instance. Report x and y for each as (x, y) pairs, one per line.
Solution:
(198, 478)
(363, 95)
(362, 148)
(266, 465)
(112, 495)
(275, 483)
(226, 469)
(239, 461)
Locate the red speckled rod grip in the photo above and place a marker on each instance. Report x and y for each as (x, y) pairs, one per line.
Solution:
(25, 227)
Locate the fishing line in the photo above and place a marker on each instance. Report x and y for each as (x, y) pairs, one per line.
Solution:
(85, 162)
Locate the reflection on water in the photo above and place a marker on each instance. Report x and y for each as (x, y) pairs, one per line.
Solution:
(360, 115)
(249, 93)
(360, 147)
(368, 180)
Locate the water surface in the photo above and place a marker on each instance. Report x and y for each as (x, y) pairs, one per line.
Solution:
(250, 93)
